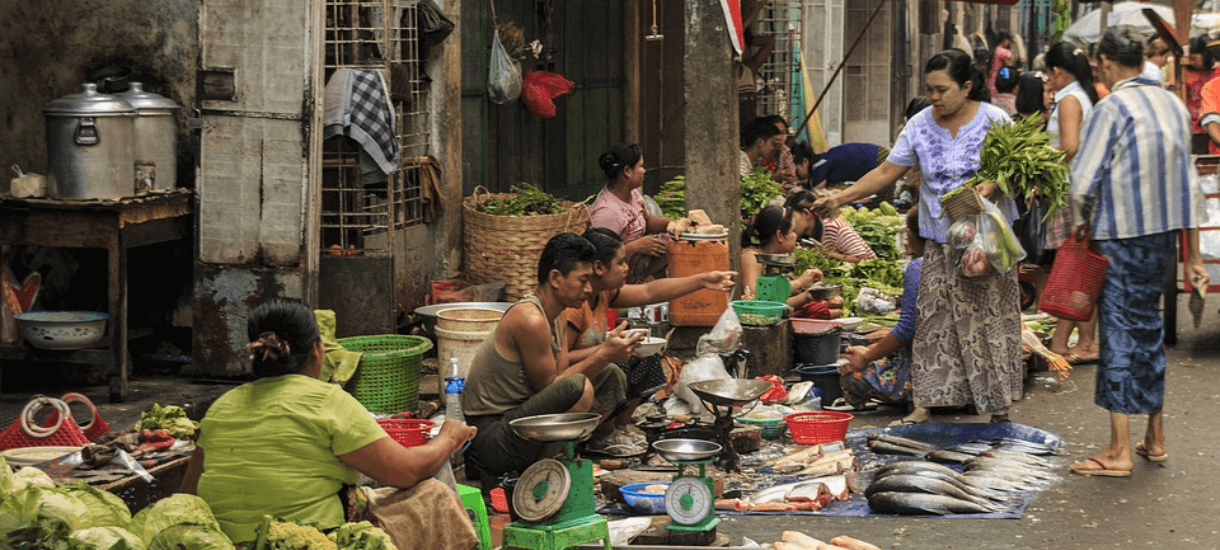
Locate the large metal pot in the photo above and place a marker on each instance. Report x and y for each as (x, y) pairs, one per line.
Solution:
(156, 148)
(90, 139)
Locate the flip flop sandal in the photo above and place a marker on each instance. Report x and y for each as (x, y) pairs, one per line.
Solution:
(1143, 451)
(1074, 359)
(840, 405)
(1102, 471)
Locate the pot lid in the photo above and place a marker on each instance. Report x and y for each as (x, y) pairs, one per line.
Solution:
(143, 101)
(89, 102)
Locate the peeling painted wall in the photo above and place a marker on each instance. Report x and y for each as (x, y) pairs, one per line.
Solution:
(47, 48)
(224, 296)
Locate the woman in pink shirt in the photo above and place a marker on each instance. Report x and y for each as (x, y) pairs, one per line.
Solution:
(619, 207)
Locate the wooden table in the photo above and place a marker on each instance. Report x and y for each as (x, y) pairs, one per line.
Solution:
(114, 226)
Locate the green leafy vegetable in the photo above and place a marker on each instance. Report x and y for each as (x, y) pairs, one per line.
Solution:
(528, 201)
(168, 512)
(361, 536)
(107, 538)
(186, 536)
(672, 198)
(877, 227)
(1018, 157)
(170, 418)
(757, 189)
(102, 508)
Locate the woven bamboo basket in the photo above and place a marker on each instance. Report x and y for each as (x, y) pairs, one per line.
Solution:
(963, 205)
(507, 248)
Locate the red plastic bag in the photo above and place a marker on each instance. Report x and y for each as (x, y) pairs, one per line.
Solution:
(777, 393)
(539, 90)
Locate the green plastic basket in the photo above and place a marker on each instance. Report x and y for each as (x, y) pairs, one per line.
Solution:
(759, 312)
(387, 380)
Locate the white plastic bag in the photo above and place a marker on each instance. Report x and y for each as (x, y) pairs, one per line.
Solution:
(725, 337)
(705, 367)
(503, 74)
(871, 301)
(997, 240)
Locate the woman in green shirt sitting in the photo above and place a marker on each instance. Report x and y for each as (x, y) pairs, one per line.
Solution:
(286, 443)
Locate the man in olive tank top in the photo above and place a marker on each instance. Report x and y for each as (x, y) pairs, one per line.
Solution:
(515, 372)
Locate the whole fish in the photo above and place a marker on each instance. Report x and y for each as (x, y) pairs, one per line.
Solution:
(921, 504)
(995, 484)
(949, 457)
(971, 448)
(1021, 481)
(990, 463)
(902, 441)
(961, 483)
(883, 448)
(921, 484)
(1023, 446)
(1019, 457)
(909, 466)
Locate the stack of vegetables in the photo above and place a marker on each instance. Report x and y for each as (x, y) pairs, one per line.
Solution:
(1019, 158)
(878, 227)
(35, 514)
(757, 189)
(672, 198)
(170, 418)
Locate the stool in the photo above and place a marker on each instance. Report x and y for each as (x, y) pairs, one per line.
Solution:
(472, 499)
(556, 537)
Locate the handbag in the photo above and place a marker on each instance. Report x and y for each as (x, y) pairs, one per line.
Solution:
(25, 432)
(1075, 282)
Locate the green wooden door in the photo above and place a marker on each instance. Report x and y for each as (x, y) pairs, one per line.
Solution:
(506, 144)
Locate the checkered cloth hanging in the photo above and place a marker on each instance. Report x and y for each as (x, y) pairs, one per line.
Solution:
(358, 105)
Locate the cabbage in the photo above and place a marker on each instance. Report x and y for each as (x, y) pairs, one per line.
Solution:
(102, 508)
(186, 536)
(30, 476)
(53, 505)
(171, 511)
(107, 538)
(6, 479)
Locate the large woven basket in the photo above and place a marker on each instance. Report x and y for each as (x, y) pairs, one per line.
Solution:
(387, 380)
(507, 248)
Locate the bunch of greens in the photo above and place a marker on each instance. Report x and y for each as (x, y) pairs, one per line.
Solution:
(810, 259)
(170, 418)
(1019, 158)
(878, 227)
(757, 189)
(528, 201)
(672, 198)
(881, 274)
(361, 536)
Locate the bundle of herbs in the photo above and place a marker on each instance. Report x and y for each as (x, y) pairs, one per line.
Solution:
(1019, 158)
(757, 189)
(528, 201)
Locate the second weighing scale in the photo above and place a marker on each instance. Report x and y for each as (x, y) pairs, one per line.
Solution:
(772, 284)
(689, 500)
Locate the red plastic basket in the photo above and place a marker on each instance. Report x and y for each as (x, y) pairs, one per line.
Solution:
(812, 427)
(1075, 282)
(410, 432)
(58, 434)
(92, 430)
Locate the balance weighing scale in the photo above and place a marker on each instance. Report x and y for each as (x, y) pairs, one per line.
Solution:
(554, 496)
(689, 500)
(772, 284)
(720, 396)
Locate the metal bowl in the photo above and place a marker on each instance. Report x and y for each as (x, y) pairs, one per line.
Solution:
(547, 428)
(686, 450)
(63, 330)
(825, 292)
(429, 313)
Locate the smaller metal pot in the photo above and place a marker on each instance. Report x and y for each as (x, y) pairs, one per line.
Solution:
(156, 139)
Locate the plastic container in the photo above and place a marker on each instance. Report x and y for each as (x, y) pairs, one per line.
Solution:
(408, 432)
(459, 344)
(808, 428)
(825, 379)
(811, 326)
(469, 319)
(693, 256)
(819, 348)
(772, 428)
(645, 503)
(388, 378)
(454, 384)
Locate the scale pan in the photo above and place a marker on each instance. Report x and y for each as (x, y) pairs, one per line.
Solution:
(731, 392)
(685, 450)
(548, 428)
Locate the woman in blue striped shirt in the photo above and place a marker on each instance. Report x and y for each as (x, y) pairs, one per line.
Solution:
(1133, 188)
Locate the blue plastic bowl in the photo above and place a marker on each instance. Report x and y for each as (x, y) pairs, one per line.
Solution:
(644, 503)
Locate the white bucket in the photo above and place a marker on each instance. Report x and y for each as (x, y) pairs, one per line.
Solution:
(456, 343)
(468, 319)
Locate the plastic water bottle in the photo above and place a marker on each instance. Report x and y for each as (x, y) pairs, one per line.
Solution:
(454, 384)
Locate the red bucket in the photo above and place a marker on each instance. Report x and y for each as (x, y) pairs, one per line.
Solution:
(410, 432)
(1075, 281)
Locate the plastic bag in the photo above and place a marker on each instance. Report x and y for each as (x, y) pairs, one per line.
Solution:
(725, 337)
(776, 393)
(503, 74)
(539, 90)
(871, 301)
(997, 239)
(705, 367)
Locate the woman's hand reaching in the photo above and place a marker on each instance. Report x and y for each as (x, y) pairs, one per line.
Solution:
(719, 280)
(825, 207)
(456, 433)
(857, 359)
(807, 279)
(647, 245)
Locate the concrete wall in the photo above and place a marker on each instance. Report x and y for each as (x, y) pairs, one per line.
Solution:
(47, 48)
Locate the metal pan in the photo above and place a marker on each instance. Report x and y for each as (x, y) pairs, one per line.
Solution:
(547, 428)
(686, 450)
(731, 392)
